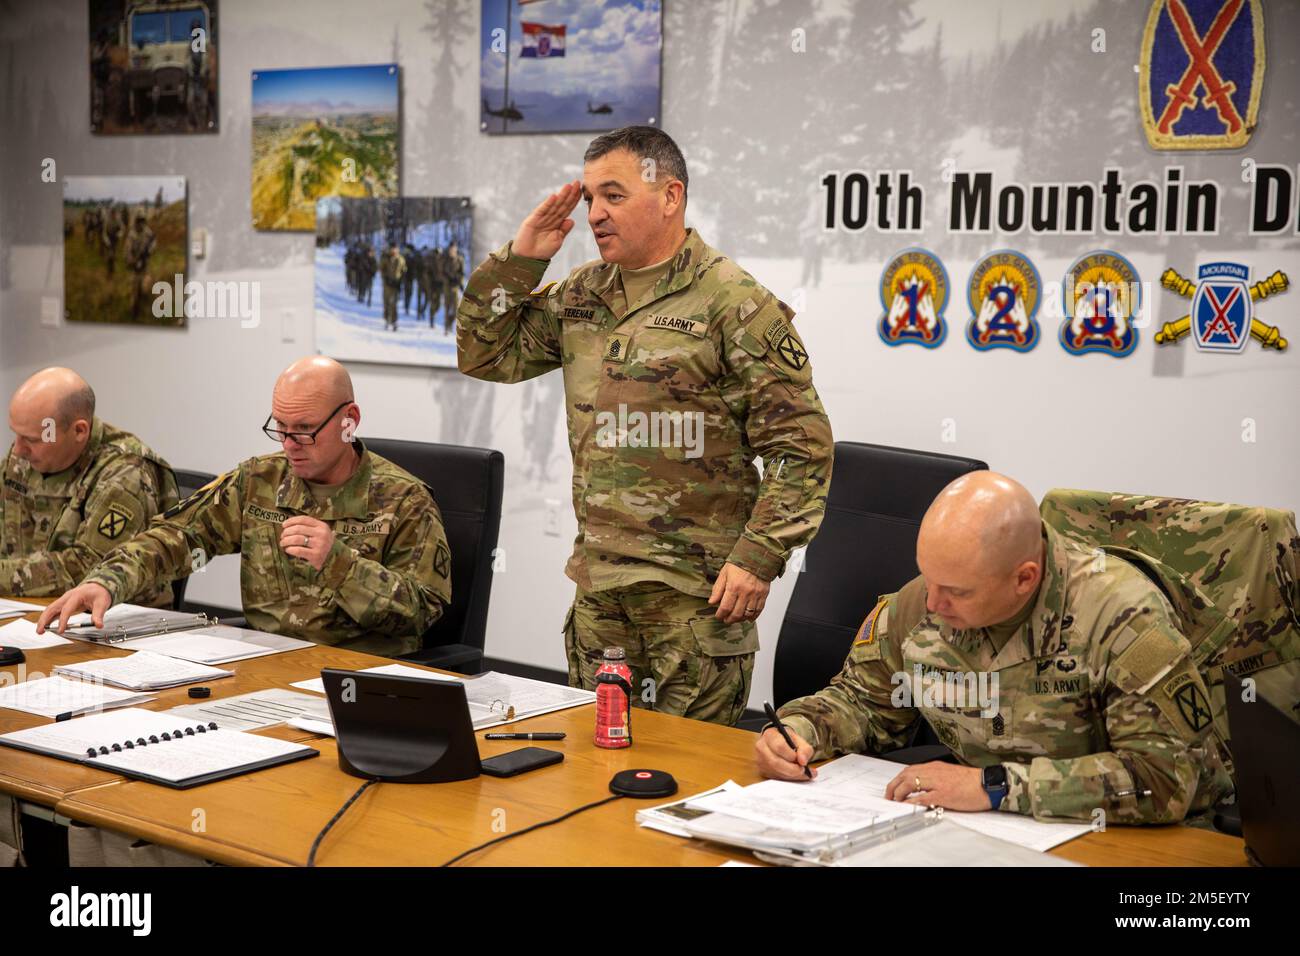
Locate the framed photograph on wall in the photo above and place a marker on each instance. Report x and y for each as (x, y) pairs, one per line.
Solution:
(389, 277)
(121, 236)
(329, 131)
(569, 66)
(153, 66)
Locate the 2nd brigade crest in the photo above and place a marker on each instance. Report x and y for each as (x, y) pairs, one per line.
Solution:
(1004, 294)
(914, 293)
(1222, 315)
(1102, 298)
(1201, 74)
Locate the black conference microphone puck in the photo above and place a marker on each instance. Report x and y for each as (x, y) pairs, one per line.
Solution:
(200, 692)
(11, 655)
(643, 783)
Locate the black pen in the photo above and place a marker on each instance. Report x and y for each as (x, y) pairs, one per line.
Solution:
(785, 734)
(538, 736)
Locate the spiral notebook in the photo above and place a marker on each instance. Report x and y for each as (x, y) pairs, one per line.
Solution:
(146, 745)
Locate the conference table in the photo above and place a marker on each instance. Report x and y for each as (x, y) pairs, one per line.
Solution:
(271, 817)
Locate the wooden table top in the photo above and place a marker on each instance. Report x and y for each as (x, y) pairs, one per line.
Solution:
(271, 817)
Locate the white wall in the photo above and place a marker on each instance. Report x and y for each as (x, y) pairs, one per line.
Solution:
(1155, 422)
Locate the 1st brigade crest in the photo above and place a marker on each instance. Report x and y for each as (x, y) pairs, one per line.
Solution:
(914, 293)
(1222, 316)
(1004, 294)
(1102, 298)
(1201, 73)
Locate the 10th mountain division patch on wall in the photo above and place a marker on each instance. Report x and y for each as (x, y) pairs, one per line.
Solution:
(1201, 73)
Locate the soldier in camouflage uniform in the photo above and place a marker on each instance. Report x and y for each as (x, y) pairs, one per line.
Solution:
(1242, 559)
(679, 369)
(392, 267)
(339, 546)
(139, 247)
(1098, 703)
(69, 500)
(452, 265)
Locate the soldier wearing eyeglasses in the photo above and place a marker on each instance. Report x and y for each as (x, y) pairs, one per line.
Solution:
(339, 546)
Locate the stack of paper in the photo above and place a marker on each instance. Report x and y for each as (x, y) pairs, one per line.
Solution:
(843, 816)
(261, 708)
(493, 698)
(58, 696)
(142, 671)
(23, 634)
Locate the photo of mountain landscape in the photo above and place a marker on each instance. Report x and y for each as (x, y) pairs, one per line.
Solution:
(329, 131)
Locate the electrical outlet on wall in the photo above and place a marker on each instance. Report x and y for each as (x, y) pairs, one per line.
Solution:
(50, 311)
(551, 518)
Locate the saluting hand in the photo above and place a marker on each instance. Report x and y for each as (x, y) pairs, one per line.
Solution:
(542, 233)
(307, 538)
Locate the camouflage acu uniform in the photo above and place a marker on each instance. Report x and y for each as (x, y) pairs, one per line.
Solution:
(55, 528)
(384, 583)
(1099, 703)
(1243, 559)
(391, 268)
(452, 265)
(707, 345)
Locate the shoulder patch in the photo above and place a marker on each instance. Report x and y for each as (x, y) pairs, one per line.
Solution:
(114, 521)
(1146, 660)
(543, 290)
(198, 497)
(867, 632)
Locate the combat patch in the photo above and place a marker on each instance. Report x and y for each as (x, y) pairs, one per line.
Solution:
(677, 324)
(114, 521)
(792, 351)
(442, 561)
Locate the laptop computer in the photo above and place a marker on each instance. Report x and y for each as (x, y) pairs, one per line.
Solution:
(1266, 752)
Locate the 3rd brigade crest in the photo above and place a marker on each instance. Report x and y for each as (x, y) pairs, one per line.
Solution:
(1201, 73)
(1222, 315)
(914, 293)
(1102, 298)
(1004, 294)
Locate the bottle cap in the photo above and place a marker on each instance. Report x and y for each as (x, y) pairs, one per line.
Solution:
(615, 654)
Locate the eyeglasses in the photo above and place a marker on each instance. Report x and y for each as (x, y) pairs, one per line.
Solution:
(302, 438)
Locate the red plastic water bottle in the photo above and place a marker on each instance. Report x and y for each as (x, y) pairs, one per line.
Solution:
(614, 701)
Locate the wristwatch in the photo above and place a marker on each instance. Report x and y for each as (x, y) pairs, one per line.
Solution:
(994, 780)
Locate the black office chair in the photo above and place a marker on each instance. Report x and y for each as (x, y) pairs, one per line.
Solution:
(187, 482)
(866, 547)
(467, 485)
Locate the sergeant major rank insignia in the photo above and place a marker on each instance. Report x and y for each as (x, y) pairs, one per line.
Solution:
(1201, 73)
(1221, 315)
(1004, 293)
(914, 293)
(1102, 298)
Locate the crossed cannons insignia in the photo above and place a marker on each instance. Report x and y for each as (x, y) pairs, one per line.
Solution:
(1221, 317)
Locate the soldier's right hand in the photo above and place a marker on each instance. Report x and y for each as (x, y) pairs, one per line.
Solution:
(775, 758)
(542, 233)
(84, 597)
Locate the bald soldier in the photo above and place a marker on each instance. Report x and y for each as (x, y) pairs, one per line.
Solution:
(679, 370)
(75, 487)
(338, 545)
(1057, 676)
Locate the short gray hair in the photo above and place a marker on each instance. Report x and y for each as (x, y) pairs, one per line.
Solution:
(79, 403)
(643, 142)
